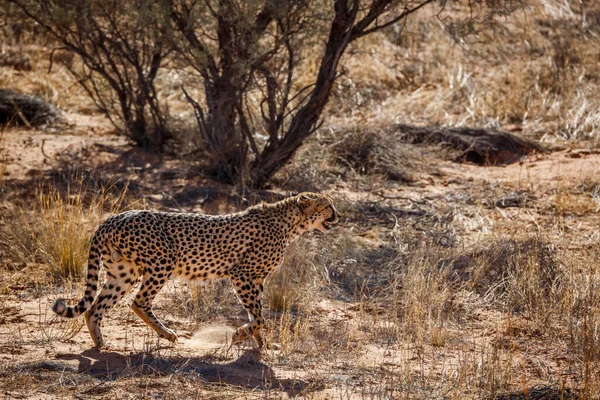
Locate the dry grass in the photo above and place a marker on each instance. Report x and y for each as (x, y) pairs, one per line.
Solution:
(437, 294)
(371, 154)
(58, 227)
(203, 301)
(411, 313)
(297, 282)
(525, 276)
(3, 162)
(422, 75)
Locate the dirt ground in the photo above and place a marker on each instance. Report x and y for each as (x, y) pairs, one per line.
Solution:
(443, 279)
(44, 357)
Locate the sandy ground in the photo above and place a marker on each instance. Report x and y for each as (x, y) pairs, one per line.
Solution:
(35, 345)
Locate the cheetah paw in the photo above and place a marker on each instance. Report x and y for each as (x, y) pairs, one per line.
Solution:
(271, 346)
(239, 336)
(170, 336)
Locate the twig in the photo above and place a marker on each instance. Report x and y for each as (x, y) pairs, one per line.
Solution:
(42, 148)
(394, 197)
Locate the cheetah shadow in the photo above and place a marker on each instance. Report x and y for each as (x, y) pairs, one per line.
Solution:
(247, 371)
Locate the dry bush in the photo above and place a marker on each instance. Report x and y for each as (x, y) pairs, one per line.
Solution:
(119, 49)
(430, 284)
(369, 153)
(58, 228)
(421, 300)
(18, 108)
(361, 158)
(305, 174)
(310, 170)
(298, 280)
(292, 332)
(524, 276)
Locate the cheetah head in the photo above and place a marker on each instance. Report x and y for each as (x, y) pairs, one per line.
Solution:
(318, 211)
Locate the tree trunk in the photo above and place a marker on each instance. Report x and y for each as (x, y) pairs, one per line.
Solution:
(225, 141)
(305, 121)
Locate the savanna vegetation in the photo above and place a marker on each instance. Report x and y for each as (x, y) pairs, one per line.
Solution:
(459, 141)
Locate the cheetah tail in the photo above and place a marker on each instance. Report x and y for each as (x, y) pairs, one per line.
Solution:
(60, 307)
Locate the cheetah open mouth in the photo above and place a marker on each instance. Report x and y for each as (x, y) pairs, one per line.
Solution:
(327, 224)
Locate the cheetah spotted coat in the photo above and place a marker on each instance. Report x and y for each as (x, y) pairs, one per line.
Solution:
(244, 247)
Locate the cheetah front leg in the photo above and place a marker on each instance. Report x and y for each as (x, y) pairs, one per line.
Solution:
(250, 295)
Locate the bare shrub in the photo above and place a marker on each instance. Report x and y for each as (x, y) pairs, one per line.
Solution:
(120, 46)
(251, 103)
(368, 153)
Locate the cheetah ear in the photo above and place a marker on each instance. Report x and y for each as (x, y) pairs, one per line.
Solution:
(304, 202)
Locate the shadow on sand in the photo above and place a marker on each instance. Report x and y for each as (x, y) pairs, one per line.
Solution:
(248, 371)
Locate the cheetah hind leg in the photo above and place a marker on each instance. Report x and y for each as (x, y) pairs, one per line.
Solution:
(142, 306)
(113, 291)
(98, 340)
(117, 284)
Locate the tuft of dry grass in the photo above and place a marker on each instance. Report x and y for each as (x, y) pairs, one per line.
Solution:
(422, 302)
(3, 162)
(579, 312)
(57, 229)
(525, 276)
(203, 301)
(295, 285)
(292, 333)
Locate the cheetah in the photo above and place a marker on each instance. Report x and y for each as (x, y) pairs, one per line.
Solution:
(157, 246)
